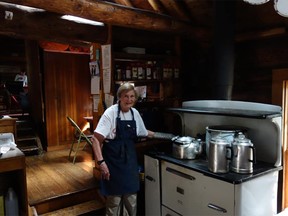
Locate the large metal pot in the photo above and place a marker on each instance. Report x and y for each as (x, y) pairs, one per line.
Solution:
(243, 155)
(186, 147)
(227, 132)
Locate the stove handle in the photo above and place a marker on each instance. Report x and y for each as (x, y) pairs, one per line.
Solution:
(150, 178)
(184, 175)
(217, 208)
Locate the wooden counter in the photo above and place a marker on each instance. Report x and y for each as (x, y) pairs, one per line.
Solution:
(8, 125)
(13, 174)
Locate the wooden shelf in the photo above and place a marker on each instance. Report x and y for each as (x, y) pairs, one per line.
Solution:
(120, 56)
(163, 64)
(138, 81)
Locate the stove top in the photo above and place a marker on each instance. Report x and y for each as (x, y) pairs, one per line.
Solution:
(201, 165)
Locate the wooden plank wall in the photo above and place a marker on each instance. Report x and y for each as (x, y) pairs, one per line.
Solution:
(67, 93)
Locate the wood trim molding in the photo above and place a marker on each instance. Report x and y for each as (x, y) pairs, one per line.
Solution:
(279, 96)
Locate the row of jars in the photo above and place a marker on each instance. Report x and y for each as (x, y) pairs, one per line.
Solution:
(145, 71)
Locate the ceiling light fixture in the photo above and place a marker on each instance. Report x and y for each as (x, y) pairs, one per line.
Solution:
(256, 2)
(280, 6)
(81, 20)
(23, 8)
(29, 9)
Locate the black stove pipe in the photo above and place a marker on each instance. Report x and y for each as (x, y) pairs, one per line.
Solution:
(224, 48)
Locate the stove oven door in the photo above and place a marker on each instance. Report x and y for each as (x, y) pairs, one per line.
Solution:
(152, 186)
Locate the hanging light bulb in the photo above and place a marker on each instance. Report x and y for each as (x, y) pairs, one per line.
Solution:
(256, 2)
(281, 6)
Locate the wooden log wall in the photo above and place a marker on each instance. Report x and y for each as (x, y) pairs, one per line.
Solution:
(254, 63)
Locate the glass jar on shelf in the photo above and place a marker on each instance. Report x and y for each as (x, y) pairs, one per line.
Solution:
(141, 73)
(156, 71)
(149, 66)
(128, 72)
(176, 72)
(134, 71)
(118, 74)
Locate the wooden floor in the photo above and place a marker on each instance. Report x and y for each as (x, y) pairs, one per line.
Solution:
(51, 176)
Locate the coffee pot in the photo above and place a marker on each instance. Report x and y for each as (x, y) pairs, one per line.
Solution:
(219, 155)
(243, 154)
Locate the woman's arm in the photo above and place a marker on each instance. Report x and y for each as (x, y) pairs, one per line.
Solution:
(150, 134)
(97, 143)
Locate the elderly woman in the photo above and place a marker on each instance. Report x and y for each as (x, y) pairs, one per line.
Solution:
(114, 148)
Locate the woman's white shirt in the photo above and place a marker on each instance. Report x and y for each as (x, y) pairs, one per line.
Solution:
(107, 123)
(21, 78)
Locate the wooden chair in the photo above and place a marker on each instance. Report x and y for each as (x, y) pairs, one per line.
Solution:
(79, 136)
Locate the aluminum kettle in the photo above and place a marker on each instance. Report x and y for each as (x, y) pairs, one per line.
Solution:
(243, 154)
(186, 147)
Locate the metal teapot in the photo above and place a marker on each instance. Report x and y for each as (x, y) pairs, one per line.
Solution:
(186, 147)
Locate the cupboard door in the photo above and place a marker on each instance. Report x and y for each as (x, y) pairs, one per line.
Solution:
(152, 186)
(168, 212)
(218, 197)
(181, 189)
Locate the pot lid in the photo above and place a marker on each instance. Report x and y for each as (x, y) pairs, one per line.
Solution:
(219, 140)
(226, 128)
(242, 140)
(256, 2)
(184, 140)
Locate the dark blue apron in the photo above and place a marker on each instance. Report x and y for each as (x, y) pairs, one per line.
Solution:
(121, 159)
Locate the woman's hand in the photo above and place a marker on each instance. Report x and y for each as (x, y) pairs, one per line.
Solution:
(105, 174)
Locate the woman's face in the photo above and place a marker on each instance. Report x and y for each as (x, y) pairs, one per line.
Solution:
(127, 100)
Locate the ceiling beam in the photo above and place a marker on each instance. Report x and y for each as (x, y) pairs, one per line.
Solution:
(114, 14)
(273, 32)
(49, 26)
(175, 9)
(124, 2)
(157, 6)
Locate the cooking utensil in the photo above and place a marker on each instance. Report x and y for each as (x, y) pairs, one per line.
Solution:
(219, 155)
(186, 147)
(227, 132)
(243, 155)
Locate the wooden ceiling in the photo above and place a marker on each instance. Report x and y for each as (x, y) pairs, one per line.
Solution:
(190, 18)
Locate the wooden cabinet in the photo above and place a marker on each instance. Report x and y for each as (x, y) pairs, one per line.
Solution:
(13, 174)
(8, 125)
(158, 73)
(168, 212)
(152, 186)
